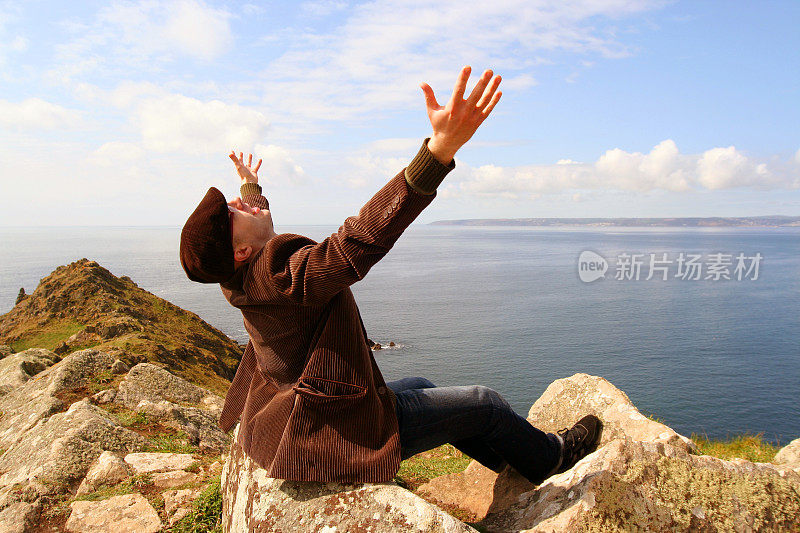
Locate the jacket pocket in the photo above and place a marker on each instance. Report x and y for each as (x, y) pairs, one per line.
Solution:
(328, 392)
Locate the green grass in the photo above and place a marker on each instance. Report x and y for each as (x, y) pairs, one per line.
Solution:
(102, 381)
(423, 467)
(49, 337)
(132, 484)
(206, 514)
(170, 443)
(748, 446)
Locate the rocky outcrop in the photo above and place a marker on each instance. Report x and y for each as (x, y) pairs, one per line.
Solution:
(109, 469)
(49, 440)
(18, 368)
(789, 456)
(20, 295)
(567, 399)
(647, 486)
(255, 502)
(480, 491)
(148, 463)
(177, 403)
(83, 305)
(126, 513)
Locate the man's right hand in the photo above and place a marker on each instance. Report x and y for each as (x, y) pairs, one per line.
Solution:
(247, 173)
(455, 123)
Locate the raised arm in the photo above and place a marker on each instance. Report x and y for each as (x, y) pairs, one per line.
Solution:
(297, 269)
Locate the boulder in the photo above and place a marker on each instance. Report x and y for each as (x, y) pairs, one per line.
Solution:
(127, 513)
(48, 449)
(59, 450)
(20, 295)
(479, 490)
(19, 517)
(568, 399)
(18, 368)
(157, 392)
(104, 396)
(178, 503)
(172, 479)
(251, 501)
(789, 456)
(646, 486)
(119, 367)
(149, 462)
(109, 469)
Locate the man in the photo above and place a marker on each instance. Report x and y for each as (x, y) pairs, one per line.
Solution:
(313, 403)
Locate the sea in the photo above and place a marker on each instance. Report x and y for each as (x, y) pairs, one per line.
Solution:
(713, 349)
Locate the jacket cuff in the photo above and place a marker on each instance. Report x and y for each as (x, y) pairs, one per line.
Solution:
(248, 189)
(425, 172)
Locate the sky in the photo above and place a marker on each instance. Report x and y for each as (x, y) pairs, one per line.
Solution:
(122, 113)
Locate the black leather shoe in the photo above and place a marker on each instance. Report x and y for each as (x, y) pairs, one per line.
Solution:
(579, 441)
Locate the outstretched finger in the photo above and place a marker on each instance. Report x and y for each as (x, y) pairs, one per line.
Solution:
(250, 160)
(430, 98)
(233, 157)
(495, 99)
(258, 165)
(241, 158)
(477, 91)
(461, 84)
(489, 92)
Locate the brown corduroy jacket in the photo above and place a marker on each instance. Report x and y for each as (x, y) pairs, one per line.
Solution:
(313, 403)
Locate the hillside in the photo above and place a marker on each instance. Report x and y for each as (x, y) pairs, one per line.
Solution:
(83, 305)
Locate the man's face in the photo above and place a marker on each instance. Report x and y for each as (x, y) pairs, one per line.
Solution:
(250, 225)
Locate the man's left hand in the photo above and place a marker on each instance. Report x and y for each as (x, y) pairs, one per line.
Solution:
(247, 172)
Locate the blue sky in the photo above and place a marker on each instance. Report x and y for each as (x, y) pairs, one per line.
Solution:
(122, 112)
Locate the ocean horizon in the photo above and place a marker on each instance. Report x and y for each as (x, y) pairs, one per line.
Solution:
(507, 307)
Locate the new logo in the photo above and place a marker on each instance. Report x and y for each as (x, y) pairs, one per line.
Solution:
(591, 266)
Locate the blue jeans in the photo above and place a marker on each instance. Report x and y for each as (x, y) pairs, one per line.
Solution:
(476, 420)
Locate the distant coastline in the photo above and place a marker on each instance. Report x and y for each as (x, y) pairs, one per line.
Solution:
(772, 221)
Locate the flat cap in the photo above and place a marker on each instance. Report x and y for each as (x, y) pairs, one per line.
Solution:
(206, 246)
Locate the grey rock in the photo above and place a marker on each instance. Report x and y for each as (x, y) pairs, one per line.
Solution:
(19, 517)
(152, 390)
(18, 368)
(60, 449)
(789, 456)
(479, 490)
(104, 396)
(48, 450)
(119, 367)
(147, 381)
(109, 469)
(127, 513)
(645, 486)
(20, 295)
(255, 502)
(149, 462)
(175, 499)
(174, 478)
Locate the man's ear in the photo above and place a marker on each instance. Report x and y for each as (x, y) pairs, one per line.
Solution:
(242, 252)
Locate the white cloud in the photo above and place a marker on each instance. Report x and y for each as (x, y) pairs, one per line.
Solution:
(377, 58)
(115, 152)
(278, 167)
(150, 27)
(322, 8)
(36, 114)
(663, 168)
(179, 123)
(142, 35)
